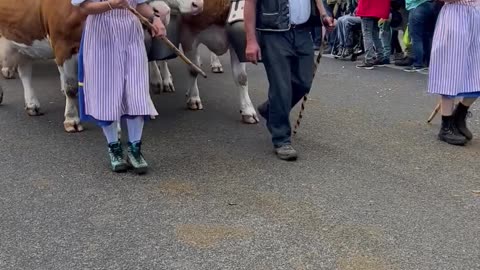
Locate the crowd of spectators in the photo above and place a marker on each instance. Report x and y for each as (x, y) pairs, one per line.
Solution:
(398, 32)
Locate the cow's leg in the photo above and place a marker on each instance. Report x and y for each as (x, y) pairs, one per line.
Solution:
(1, 94)
(193, 95)
(190, 47)
(215, 63)
(166, 76)
(8, 59)
(156, 80)
(215, 38)
(32, 105)
(68, 78)
(249, 115)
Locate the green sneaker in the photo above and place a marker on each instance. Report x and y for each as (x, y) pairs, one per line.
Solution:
(135, 157)
(117, 162)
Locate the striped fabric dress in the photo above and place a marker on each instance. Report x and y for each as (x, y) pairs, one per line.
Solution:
(115, 68)
(455, 59)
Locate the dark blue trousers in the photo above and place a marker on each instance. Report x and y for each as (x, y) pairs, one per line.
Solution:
(288, 58)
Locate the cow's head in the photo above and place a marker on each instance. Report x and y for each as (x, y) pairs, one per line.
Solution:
(190, 7)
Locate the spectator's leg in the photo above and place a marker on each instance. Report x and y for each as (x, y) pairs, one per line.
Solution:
(367, 31)
(341, 35)
(396, 47)
(429, 31)
(351, 24)
(386, 37)
(317, 37)
(329, 36)
(417, 20)
(377, 42)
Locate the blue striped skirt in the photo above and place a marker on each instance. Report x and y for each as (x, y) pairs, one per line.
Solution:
(81, 93)
(455, 58)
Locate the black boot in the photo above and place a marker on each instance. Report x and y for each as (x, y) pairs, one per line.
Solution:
(460, 120)
(449, 133)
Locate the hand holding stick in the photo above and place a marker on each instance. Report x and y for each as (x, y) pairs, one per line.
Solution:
(146, 22)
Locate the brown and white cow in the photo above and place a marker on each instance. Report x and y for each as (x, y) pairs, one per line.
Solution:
(51, 29)
(208, 28)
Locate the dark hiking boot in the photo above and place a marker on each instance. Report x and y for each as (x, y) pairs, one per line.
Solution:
(449, 133)
(286, 152)
(135, 158)
(460, 115)
(117, 161)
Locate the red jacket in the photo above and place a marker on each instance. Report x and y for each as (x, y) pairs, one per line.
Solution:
(374, 8)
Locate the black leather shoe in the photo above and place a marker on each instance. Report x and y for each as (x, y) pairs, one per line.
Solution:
(449, 132)
(460, 120)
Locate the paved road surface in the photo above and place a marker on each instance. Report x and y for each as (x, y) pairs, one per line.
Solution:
(373, 188)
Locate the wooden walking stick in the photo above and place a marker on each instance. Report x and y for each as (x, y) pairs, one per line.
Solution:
(146, 22)
(305, 98)
(435, 111)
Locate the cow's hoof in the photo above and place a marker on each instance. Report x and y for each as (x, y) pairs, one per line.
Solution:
(218, 69)
(250, 119)
(156, 88)
(194, 104)
(34, 111)
(72, 126)
(8, 73)
(168, 87)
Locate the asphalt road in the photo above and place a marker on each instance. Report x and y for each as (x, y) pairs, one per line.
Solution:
(373, 188)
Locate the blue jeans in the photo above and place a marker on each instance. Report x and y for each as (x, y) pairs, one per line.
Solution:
(386, 37)
(317, 36)
(288, 60)
(345, 25)
(371, 40)
(421, 26)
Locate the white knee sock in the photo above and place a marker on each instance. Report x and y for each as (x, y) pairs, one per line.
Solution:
(135, 128)
(111, 132)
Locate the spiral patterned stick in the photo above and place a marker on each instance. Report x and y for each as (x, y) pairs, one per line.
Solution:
(305, 98)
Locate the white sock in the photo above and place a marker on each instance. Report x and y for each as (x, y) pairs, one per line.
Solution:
(111, 133)
(135, 128)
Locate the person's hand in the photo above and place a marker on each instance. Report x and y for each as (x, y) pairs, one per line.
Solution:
(158, 28)
(329, 23)
(381, 22)
(252, 52)
(118, 3)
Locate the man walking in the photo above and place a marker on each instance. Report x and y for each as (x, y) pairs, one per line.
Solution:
(286, 49)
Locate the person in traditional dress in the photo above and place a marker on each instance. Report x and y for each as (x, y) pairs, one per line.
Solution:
(455, 66)
(114, 64)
